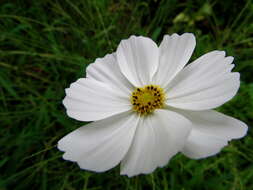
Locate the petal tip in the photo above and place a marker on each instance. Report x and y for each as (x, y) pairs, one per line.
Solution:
(189, 34)
(243, 130)
(223, 53)
(64, 102)
(230, 59)
(59, 146)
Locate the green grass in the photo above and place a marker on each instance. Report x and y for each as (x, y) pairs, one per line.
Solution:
(47, 44)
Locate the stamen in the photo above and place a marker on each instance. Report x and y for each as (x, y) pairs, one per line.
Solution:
(148, 98)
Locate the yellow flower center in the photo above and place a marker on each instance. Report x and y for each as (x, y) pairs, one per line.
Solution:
(148, 98)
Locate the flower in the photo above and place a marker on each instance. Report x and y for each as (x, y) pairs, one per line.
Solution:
(147, 105)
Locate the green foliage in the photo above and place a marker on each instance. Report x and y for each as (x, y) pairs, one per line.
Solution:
(47, 44)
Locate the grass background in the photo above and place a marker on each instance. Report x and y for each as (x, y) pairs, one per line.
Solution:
(47, 44)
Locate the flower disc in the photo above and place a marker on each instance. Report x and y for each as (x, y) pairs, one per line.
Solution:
(145, 100)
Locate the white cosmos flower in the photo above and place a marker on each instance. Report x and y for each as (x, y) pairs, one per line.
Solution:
(147, 105)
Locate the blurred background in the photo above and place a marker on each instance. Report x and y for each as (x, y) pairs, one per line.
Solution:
(47, 44)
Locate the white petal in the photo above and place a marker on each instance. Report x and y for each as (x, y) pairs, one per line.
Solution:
(158, 137)
(101, 145)
(90, 100)
(201, 145)
(175, 51)
(107, 70)
(204, 84)
(138, 59)
(211, 132)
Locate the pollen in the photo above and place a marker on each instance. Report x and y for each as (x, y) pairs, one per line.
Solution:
(148, 98)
